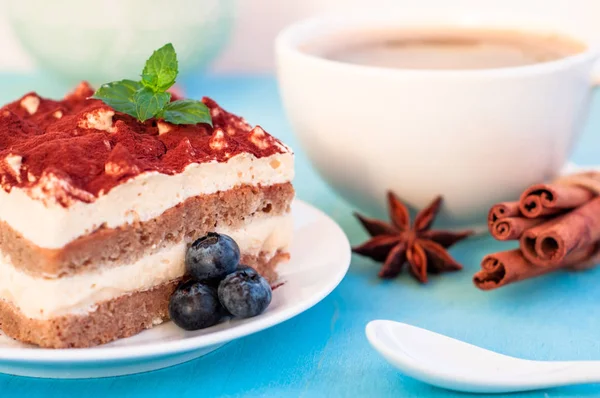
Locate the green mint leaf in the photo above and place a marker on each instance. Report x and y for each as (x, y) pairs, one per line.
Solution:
(148, 98)
(149, 103)
(119, 95)
(186, 112)
(161, 69)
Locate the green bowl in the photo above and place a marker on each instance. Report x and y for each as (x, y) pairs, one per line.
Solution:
(110, 40)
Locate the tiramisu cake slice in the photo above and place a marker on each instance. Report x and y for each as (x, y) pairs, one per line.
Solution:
(97, 210)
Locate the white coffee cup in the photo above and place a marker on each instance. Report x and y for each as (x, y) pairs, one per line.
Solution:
(475, 136)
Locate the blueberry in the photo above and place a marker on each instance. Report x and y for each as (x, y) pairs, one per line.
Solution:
(195, 306)
(213, 256)
(245, 293)
(249, 270)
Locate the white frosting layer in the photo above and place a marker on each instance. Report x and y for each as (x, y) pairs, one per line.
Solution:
(45, 298)
(142, 198)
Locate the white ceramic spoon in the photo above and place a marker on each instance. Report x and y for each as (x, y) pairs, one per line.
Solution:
(448, 363)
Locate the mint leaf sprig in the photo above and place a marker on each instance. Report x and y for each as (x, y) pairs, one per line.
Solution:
(149, 98)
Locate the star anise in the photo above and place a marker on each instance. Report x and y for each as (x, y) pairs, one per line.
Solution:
(397, 243)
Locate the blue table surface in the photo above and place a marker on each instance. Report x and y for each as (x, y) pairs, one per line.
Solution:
(323, 352)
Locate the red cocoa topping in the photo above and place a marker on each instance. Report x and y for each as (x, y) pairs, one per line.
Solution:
(78, 148)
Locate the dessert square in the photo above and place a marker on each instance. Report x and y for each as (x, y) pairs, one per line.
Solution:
(97, 210)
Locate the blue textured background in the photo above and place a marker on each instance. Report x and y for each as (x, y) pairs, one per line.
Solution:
(323, 352)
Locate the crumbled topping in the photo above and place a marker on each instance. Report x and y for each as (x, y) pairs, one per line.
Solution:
(163, 127)
(78, 148)
(51, 187)
(259, 138)
(31, 103)
(14, 163)
(217, 142)
(120, 163)
(99, 119)
(119, 169)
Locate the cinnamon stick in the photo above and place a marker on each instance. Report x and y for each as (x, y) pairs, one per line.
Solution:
(548, 244)
(503, 210)
(511, 228)
(547, 199)
(503, 268)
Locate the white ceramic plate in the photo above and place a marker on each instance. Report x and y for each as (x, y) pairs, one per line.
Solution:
(320, 258)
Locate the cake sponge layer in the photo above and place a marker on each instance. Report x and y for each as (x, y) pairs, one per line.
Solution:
(45, 298)
(112, 319)
(109, 247)
(143, 198)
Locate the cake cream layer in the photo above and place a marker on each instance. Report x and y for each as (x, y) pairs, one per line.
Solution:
(112, 247)
(116, 318)
(48, 224)
(43, 298)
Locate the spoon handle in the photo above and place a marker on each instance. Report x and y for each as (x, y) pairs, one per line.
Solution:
(562, 373)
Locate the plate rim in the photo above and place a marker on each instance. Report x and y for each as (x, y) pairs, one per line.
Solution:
(178, 346)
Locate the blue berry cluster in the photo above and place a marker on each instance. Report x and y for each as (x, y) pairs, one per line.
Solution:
(218, 285)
